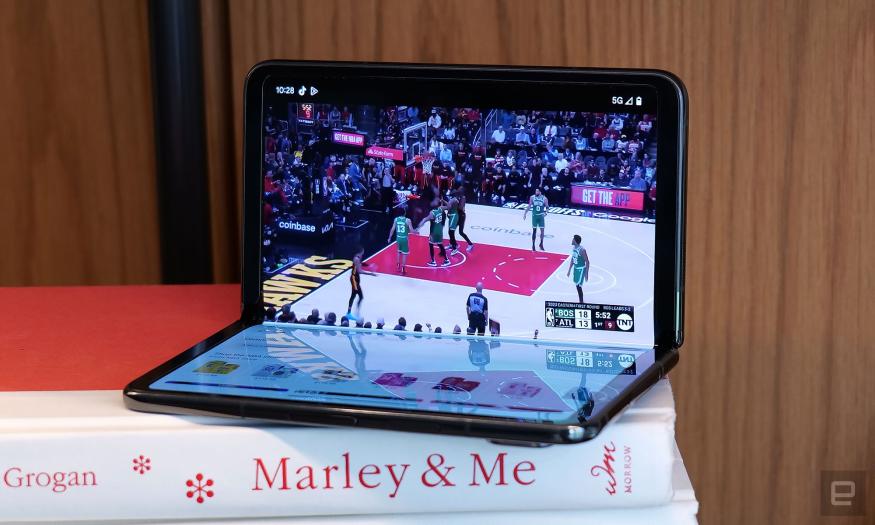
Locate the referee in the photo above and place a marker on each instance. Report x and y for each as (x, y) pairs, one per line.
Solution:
(477, 307)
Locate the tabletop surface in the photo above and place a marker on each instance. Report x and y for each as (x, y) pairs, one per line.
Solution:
(102, 337)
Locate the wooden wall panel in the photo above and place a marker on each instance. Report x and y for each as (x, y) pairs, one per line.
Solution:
(77, 171)
(224, 164)
(774, 383)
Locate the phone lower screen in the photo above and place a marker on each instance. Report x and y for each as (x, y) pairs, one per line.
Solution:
(531, 381)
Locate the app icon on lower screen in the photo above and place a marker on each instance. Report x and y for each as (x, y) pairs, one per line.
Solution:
(216, 367)
(276, 371)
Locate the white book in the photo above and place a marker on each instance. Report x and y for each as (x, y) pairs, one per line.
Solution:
(82, 456)
(681, 510)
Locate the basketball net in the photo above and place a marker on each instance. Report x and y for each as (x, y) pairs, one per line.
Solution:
(427, 161)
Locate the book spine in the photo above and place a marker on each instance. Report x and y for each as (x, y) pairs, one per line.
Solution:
(240, 471)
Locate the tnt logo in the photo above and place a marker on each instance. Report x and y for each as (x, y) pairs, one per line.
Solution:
(624, 322)
(626, 360)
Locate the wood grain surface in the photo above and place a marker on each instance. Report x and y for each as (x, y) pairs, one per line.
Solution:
(775, 382)
(77, 168)
(223, 159)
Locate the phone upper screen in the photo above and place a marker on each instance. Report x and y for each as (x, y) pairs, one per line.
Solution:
(475, 376)
(518, 210)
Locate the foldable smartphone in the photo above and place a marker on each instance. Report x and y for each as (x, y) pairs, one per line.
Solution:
(465, 250)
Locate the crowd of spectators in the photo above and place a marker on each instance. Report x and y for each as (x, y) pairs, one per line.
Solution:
(550, 150)
(305, 172)
(286, 315)
(525, 150)
(444, 125)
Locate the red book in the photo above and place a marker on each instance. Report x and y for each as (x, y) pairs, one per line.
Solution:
(102, 337)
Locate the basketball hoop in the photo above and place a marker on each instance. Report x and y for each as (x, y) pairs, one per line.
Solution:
(427, 162)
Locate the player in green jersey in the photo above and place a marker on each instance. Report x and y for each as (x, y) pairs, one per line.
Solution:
(579, 262)
(401, 227)
(538, 205)
(437, 218)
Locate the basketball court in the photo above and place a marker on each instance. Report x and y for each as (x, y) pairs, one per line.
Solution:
(516, 280)
(499, 268)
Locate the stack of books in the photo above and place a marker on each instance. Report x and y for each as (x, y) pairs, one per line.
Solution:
(81, 456)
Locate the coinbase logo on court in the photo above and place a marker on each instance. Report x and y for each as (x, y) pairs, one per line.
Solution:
(511, 231)
(624, 322)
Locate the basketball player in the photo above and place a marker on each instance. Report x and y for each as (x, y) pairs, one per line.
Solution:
(355, 282)
(538, 204)
(436, 236)
(401, 227)
(453, 223)
(579, 262)
(460, 196)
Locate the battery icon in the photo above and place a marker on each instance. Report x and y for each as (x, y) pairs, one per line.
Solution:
(638, 101)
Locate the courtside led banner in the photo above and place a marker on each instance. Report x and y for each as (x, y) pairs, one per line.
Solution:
(384, 153)
(350, 139)
(603, 197)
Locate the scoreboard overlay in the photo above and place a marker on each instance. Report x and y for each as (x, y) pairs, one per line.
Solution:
(589, 316)
(611, 363)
